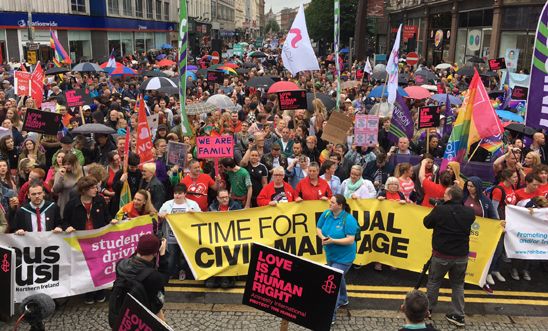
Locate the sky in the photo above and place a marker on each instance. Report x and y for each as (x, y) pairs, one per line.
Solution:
(278, 5)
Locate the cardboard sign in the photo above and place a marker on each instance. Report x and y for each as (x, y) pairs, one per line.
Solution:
(366, 130)
(7, 279)
(77, 98)
(215, 77)
(44, 122)
(134, 316)
(290, 100)
(429, 117)
(21, 83)
(215, 147)
(497, 64)
(293, 288)
(336, 129)
(519, 93)
(176, 153)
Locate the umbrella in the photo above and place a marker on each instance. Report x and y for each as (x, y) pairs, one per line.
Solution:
(87, 67)
(344, 50)
(489, 74)
(227, 70)
(258, 82)
(283, 86)
(200, 108)
(242, 71)
(57, 70)
(121, 71)
(221, 101)
(161, 56)
(466, 71)
(154, 73)
(155, 83)
(170, 73)
(520, 128)
(94, 128)
(441, 98)
(475, 59)
(201, 72)
(243, 43)
(417, 92)
(423, 76)
(328, 102)
(231, 65)
(377, 91)
(431, 88)
(257, 54)
(214, 67)
(191, 67)
(443, 66)
(166, 46)
(169, 90)
(379, 75)
(379, 68)
(191, 74)
(350, 84)
(166, 63)
(509, 116)
(105, 64)
(249, 65)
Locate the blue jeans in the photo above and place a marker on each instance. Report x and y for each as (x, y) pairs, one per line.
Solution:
(343, 296)
(176, 260)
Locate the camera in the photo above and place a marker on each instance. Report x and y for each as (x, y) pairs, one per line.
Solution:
(435, 202)
(251, 139)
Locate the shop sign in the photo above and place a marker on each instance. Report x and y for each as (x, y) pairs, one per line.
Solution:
(473, 42)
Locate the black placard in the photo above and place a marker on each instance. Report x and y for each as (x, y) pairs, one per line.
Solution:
(519, 93)
(78, 97)
(42, 122)
(293, 288)
(7, 279)
(215, 77)
(497, 64)
(290, 100)
(429, 117)
(134, 316)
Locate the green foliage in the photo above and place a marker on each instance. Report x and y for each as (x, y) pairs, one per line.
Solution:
(320, 20)
(272, 26)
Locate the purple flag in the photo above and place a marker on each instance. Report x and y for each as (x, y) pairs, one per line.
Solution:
(449, 117)
(537, 100)
(401, 124)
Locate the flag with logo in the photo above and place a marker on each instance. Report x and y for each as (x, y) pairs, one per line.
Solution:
(401, 124)
(297, 52)
(449, 117)
(144, 137)
(392, 69)
(182, 63)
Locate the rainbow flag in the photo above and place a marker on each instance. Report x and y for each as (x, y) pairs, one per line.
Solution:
(61, 55)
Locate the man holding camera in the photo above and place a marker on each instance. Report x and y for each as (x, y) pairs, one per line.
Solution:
(451, 222)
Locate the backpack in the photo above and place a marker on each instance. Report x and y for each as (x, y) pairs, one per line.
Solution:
(502, 203)
(122, 286)
(358, 235)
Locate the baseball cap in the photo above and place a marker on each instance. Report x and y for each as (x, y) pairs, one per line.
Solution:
(148, 244)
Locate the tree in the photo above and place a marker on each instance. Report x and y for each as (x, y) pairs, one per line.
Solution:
(320, 20)
(271, 26)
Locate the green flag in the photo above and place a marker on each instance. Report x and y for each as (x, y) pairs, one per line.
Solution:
(183, 57)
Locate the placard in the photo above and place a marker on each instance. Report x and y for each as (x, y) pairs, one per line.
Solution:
(176, 154)
(336, 129)
(290, 100)
(5, 132)
(497, 64)
(7, 279)
(429, 117)
(215, 147)
(48, 106)
(44, 122)
(290, 287)
(21, 83)
(519, 93)
(135, 316)
(366, 130)
(215, 77)
(78, 97)
(153, 122)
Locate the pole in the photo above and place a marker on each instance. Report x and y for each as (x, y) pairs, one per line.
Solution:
(336, 50)
(427, 140)
(350, 48)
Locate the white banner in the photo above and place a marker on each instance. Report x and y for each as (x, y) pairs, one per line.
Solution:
(61, 265)
(526, 233)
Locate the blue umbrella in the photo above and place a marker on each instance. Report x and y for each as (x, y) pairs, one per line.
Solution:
(161, 56)
(191, 74)
(440, 98)
(191, 67)
(377, 91)
(344, 50)
(166, 46)
(509, 116)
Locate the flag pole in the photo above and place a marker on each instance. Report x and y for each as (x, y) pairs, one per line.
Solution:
(337, 27)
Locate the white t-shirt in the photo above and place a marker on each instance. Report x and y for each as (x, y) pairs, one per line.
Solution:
(171, 207)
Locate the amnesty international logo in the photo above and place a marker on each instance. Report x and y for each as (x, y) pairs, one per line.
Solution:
(329, 286)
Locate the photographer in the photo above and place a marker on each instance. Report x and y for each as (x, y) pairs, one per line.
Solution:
(451, 222)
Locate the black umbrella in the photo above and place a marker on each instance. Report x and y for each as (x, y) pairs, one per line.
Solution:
(258, 54)
(403, 79)
(169, 90)
(154, 73)
(475, 59)
(521, 129)
(489, 74)
(93, 128)
(87, 67)
(423, 76)
(328, 102)
(466, 71)
(156, 83)
(242, 71)
(249, 65)
(57, 70)
(379, 75)
(201, 72)
(260, 82)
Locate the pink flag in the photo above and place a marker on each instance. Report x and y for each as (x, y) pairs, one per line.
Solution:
(37, 85)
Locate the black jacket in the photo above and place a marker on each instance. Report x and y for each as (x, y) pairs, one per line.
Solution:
(23, 220)
(451, 222)
(157, 191)
(75, 213)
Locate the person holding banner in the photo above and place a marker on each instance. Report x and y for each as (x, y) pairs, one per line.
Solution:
(356, 187)
(37, 215)
(141, 205)
(277, 191)
(337, 229)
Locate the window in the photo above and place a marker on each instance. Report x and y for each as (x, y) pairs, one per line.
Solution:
(149, 9)
(128, 7)
(166, 11)
(113, 7)
(78, 5)
(158, 9)
(139, 8)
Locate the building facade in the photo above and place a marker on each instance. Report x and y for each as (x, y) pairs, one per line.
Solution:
(287, 15)
(453, 31)
(200, 26)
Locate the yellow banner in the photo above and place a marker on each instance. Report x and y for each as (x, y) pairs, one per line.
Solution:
(218, 243)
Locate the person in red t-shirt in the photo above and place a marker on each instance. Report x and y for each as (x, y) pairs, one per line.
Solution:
(503, 194)
(542, 171)
(198, 184)
(531, 189)
(392, 191)
(312, 187)
(433, 190)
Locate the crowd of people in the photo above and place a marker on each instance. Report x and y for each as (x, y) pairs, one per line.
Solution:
(72, 182)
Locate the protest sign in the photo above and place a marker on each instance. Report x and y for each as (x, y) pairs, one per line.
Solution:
(511, 57)
(48, 106)
(135, 316)
(215, 147)
(298, 290)
(290, 100)
(78, 97)
(7, 279)
(366, 130)
(519, 93)
(21, 81)
(5, 132)
(176, 154)
(336, 129)
(215, 76)
(497, 64)
(42, 122)
(429, 117)
(219, 244)
(61, 264)
(526, 235)
(153, 122)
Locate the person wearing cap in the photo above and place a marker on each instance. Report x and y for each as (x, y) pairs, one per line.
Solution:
(149, 250)
(66, 147)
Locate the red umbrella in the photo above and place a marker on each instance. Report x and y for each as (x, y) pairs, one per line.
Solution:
(165, 63)
(104, 64)
(283, 86)
(231, 65)
(417, 92)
